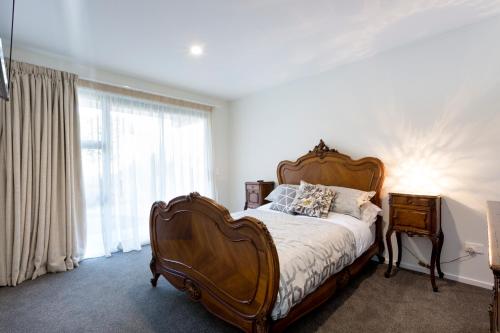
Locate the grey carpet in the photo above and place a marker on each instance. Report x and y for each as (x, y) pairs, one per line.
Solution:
(114, 295)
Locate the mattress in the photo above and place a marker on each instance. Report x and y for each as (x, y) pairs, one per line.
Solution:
(364, 234)
(310, 250)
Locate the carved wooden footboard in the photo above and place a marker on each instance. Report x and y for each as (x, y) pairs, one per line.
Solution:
(230, 266)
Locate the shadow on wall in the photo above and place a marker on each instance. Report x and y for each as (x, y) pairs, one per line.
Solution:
(366, 35)
(456, 157)
(451, 211)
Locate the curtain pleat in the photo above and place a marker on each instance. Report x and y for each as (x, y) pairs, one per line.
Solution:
(42, 227)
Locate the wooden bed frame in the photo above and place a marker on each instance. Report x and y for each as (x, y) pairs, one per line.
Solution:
(231, 266)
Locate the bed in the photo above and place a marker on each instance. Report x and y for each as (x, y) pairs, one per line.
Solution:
(231, 263)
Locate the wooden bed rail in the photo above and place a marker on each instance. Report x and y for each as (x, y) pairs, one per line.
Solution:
(230, 266)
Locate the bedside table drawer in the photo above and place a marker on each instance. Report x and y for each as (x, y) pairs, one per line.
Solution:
(411, 219)
(253, 194)
(253, 188)
(253, 197)
(412, 201)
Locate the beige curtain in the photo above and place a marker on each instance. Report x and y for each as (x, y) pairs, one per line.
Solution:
(42, 222)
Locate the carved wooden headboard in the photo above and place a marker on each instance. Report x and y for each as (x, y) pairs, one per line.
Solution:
(326, 166)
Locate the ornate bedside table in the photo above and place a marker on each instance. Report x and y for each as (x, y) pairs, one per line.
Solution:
(416, 215)
(255, 193)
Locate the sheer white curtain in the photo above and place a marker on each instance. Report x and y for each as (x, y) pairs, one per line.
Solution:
(135, 152)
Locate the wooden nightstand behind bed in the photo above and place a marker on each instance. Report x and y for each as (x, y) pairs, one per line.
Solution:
(416, 215)
(256, 192)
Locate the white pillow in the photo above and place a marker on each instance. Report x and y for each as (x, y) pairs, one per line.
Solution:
(267, 206)
(348, 200)
(369, 212)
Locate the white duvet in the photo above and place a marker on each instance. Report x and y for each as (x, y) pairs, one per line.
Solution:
(310, 250)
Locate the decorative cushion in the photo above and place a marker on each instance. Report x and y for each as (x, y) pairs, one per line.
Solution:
(369, 212)
(275, 194)
(283, 200)
(348, 200)
(313, 200)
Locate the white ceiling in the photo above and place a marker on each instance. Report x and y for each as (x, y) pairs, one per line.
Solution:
(249, 45)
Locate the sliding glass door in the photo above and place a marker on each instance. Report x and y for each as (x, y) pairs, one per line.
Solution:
(135, 152)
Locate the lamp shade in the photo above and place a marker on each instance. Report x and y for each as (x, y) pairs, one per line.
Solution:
(4, 86)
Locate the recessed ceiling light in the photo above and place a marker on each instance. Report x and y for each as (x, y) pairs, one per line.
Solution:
(196, 50)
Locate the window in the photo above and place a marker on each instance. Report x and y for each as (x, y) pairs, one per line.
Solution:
(135, 152)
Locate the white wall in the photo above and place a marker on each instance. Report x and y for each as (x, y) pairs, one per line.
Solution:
(219, 117)
(430, 111)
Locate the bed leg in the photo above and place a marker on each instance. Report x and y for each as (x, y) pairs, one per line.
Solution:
(261, 324)
(154, 280)
(380, 254)
(380, 239)
(152, 266)
(380, 258)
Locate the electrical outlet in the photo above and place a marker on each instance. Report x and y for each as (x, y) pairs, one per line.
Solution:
(476, 248)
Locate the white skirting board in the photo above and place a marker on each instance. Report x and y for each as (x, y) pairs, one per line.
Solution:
(453, 277)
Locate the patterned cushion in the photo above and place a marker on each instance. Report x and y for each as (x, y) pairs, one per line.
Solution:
(275, 194)
(284, 198)
(313, 200)
(349, 200)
